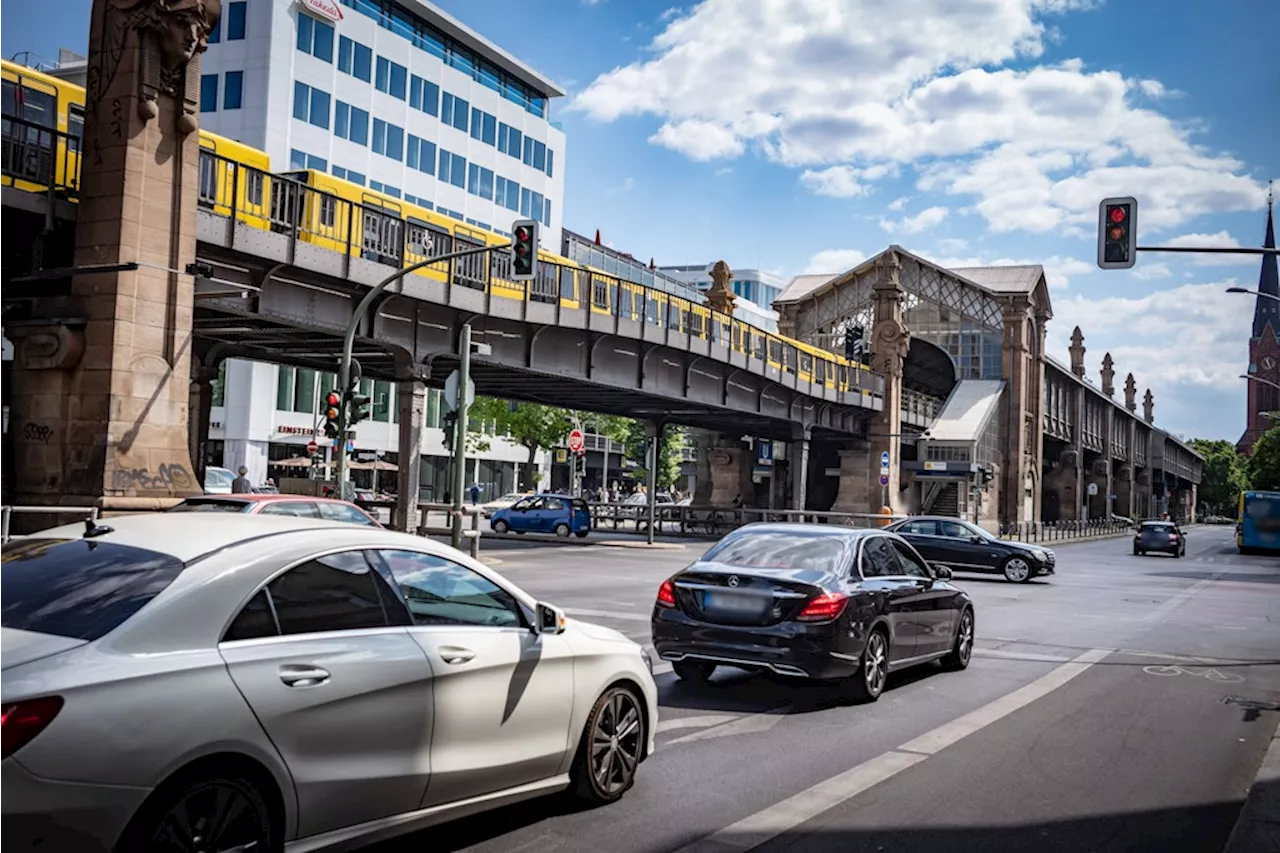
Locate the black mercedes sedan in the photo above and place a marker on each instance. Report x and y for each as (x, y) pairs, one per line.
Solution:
(965, 547)
(812, 601)
(1161, 537)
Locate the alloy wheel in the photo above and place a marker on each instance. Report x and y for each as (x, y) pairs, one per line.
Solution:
(1017, 570)
(964, 643)
(875, 663)
(616, 743)
(220, 816)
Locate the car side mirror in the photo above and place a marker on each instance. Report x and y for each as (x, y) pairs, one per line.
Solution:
(976, 539)
(548, 619)
(942, 573)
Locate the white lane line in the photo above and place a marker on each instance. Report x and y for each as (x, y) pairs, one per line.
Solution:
(703, 721)
(1006, 655)
(608, 614)
(1181, 598)
(753, 724)
(782, 817)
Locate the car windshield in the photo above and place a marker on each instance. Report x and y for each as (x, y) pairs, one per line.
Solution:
(205, 505)
(1157, 527)
(78, 587)
(779, 550)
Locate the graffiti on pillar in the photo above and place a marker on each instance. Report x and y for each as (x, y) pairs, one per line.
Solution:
(37, 432)
(170, 477)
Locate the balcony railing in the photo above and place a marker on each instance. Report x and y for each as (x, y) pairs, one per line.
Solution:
(919, 408)
(39, 159)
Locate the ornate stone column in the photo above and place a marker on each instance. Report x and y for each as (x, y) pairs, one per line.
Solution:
(411, 398)
(118, 416)
(721, 296)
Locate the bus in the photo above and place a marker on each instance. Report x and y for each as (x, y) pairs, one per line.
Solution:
(1258, 525)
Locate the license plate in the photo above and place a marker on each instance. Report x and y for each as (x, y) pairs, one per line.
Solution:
(728, 602)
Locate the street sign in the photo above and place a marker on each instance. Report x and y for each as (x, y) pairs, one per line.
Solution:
(575, 441)
(884, 459)
(451, 391)
(312, 447)
(1092, 490)
(884, 479)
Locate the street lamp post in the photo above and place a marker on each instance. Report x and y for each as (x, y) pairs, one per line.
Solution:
(1267, 382)
(1252, 292)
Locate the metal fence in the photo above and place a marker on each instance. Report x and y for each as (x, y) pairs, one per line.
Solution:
(1053, 531)
(35, 157)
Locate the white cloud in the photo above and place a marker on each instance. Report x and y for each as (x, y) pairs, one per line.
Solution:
(627, 185)
(835, 260)
(723, 170)
(899, 204)
(668, 14)
(951, 245)
(926, 87)
(1146, 272)
(1220, 240)
(838, 182)
(1188, 344)
(1058, 269)
(930, 217)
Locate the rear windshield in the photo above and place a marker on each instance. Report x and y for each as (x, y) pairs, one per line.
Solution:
(1158, 526)
(198, 505)
(77, 587)
(779, 550)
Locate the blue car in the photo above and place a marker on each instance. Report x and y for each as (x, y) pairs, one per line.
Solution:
(558, 514)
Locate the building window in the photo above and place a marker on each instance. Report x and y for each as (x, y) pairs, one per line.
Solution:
(351, 123)
(388, 139)
(484, 127)
(390, 78)
(310, 105)
(452, 169)
(232, 90)
(235, 21)
(355, 59)
(546, 212)
(507, 193)
(218, 386)
(480, 181)
(302, 160)
(535, 154)
(421, 155)
(304, 391)
(346, 175)
(551, 156)
(215, 34)
(531, 204)
(424, 95)
(314, 37)
(454, 111)
(509, 140)
(284, 389)
(208, 93)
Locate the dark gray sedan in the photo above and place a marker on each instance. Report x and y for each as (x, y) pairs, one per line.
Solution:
(1159, 536)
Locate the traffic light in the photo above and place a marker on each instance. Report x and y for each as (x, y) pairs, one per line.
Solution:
(449, 423)
(987, 475)
(1117, 233)
(332, 414)
(524, 250)
(357, 408)
(853, 343)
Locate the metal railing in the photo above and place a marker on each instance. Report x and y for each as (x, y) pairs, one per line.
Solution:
(6, 514)
(446, 511)
(715, 521)
(923, 407)
(1055, 531)
(39, 158)
(285, 203)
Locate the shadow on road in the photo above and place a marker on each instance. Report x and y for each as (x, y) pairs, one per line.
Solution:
(736, 691)
(1241, 577)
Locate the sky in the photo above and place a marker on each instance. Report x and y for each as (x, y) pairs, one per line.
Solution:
(806, 135)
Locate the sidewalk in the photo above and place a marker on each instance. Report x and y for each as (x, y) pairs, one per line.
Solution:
(1258, 827)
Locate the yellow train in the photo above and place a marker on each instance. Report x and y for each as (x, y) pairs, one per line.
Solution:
(236, 180)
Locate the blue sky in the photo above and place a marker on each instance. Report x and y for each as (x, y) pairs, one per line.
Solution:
(801, 135)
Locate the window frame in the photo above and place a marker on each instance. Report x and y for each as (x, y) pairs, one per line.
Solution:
(524, 612)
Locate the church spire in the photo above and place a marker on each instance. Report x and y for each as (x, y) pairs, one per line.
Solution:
(1267, 309)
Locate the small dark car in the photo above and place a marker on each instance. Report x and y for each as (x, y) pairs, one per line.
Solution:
(965, 547)
(812, 601)
(1162, 536)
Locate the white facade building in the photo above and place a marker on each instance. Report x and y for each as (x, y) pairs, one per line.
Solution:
(756, 290)
(393, 94)
(398, 96)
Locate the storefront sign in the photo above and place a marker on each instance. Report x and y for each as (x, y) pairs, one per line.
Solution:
(285, 429)
(324, 8)
(935, 466)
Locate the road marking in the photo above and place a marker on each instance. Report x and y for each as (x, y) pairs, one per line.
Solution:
(1181, 598)
(609, 614)
(1001, 653)
(753, 724)
(704, 721)
(782, 817)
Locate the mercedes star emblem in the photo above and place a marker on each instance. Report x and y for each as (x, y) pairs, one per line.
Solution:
(733, 580)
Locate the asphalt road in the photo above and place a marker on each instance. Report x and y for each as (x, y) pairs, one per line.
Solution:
(1123, 704)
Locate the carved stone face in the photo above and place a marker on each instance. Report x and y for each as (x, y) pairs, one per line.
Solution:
(181, 38)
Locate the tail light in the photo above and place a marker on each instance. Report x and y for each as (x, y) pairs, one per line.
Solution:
(22, 721)
(824, 608)
(667, 594)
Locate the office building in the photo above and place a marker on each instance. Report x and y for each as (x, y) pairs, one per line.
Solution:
(755, 290)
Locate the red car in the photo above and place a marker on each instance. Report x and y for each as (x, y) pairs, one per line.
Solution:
(299, 505)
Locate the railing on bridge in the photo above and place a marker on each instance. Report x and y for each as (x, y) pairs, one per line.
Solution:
(286, 204)
(919, 408)
(39, 159)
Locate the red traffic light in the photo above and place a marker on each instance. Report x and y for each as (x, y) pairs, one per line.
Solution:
(1116, 214)
(333, 399)
(523, 235)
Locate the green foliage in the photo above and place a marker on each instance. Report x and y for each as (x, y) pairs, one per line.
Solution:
(531, 425)
(669, 447)
(1226, 474)
(1264, 464)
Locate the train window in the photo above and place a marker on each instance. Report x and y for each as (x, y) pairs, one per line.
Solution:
(673, 315)
(253, 186)
(382, 236)
(806, 363)
(39, 107)
(599, 292)
(651, 311)
(543, 287)
(775, 351)
(568, 287)
(789, 359)
(207, 188)
(500, 265)
(624, 303)
(470, 270)
(75, 121)
(328, 211)
(9, 98)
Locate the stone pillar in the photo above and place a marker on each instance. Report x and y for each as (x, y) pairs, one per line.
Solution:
(1073, 495)
(250, 383)
(721, 296)
(798, 463)
(1077, 352)
(1149, 407)
(200, 405)
(118, 416)
(1108, 376)
(411, 399)
(724, 473)
(1195, 502)
(1130, 393)
(890, 341)
(1108, 443)
(1023, 422)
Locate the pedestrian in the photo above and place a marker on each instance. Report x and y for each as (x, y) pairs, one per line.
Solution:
(241, 485)
(475, 493)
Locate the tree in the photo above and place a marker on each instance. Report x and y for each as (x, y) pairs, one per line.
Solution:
(637, 450)
(1264, 464)
(1226, 474)
(531, 425)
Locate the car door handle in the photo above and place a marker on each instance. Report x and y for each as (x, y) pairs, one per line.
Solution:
(456, 654)
(303, 676)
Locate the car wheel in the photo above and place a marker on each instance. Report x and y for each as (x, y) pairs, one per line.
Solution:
(1017, 570)
(1137, 553)
(962, 651)
(867, 683)
(500, 526)
(562, 530)
(216, 813)
(581, 534)
(1177, 552)
(696, 671)
(610, 749)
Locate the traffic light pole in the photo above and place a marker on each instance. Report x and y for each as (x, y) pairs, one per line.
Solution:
(460, 433)
(348, 344)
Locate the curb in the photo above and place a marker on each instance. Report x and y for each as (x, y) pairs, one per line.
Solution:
(1258, 827)
(656, 546)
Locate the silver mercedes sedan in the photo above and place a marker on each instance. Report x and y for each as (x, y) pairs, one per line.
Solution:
(248, 683)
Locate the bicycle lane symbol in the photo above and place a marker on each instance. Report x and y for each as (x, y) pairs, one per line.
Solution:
(1215, 675)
